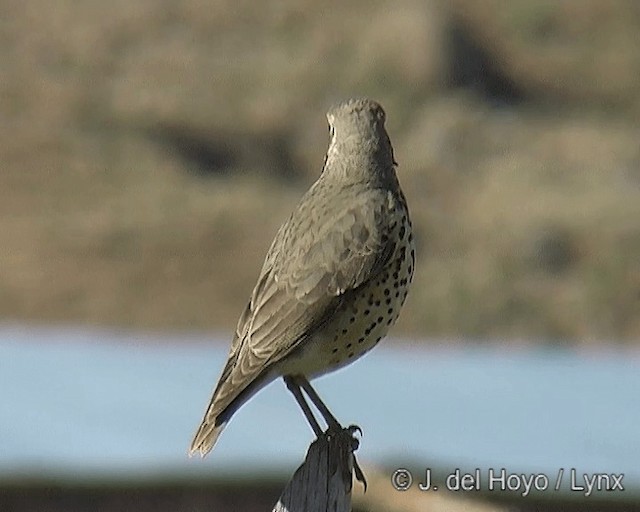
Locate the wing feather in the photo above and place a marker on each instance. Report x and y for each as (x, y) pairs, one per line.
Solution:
(315, 258)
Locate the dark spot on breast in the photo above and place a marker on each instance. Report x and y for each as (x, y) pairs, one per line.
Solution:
(367, 311)
(390, 311)
(344, 331)
(377, 303)
(350, 355)
(334, 351)
(410, 237)
(349, 345)
(402, 232)
(390, 321)
(387, 302)
(387, 292)
(378, 339)
(380, 319)
(352, 319)
(395, 275)
(361, 339)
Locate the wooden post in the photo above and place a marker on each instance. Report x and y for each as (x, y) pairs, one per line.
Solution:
(324, 481)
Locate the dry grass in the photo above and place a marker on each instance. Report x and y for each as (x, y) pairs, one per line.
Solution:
(528, 217)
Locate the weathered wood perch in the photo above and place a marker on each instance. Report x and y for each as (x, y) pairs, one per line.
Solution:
(324, 481)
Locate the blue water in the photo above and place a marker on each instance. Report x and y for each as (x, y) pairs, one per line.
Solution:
(84, 404)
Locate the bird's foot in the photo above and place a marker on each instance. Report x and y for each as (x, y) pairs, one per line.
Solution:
(349, 432)
(352, 429)
(336, 428)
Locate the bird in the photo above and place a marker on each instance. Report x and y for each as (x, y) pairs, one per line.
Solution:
(334, 278)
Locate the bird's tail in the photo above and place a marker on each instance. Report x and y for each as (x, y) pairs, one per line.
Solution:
(206, 436)
(226, 400)
(224, 403)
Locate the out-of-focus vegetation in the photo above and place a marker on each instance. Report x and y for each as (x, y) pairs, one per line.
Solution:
(151, 149)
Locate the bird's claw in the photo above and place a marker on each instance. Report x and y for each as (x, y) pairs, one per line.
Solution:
(359, 473)
(334, 430)
(353, 429)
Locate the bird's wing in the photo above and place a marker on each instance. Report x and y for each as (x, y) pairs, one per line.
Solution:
(308, 268)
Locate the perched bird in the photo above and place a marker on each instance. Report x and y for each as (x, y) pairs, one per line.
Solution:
(333, 281)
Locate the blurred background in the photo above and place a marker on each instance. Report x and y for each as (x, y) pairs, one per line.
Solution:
(150, 150)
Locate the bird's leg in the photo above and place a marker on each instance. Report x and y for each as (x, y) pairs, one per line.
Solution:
(332, 422)
(334, 425)
(294, 387)
(295, 383)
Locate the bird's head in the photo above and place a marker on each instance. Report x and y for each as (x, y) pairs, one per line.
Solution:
(359, 141)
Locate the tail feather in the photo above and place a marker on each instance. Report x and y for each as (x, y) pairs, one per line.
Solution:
(226, 400)
(206, 436)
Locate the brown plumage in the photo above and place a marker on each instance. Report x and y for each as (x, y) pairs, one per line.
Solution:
(335, 276)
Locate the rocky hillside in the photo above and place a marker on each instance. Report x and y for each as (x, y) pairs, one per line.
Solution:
(151, 149)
